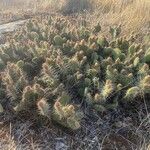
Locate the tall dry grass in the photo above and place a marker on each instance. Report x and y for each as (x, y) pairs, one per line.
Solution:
(134, 15)
(11, 10)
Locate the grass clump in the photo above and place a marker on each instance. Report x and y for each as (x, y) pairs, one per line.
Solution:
(75, 6)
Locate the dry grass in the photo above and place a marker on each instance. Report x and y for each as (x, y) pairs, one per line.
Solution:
(11, 10)
(111, 132)
(134, 15)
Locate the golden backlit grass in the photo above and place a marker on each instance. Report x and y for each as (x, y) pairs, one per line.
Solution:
(11, 10)
(134, 15)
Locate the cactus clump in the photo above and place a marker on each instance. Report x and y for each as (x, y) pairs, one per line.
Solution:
(67, 114)
(49, 62)
(132, 92)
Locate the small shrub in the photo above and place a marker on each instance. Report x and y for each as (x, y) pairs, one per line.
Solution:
(75, 6)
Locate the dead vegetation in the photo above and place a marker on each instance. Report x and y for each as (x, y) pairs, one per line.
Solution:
(132, 14)
(114, 131)
(106, 133)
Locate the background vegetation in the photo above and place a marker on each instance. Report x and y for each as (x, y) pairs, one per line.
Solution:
(132, 14)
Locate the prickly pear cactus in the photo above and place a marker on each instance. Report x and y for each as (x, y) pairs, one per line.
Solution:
(50, 64)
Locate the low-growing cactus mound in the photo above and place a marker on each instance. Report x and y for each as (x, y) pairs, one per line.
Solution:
(51, 65)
